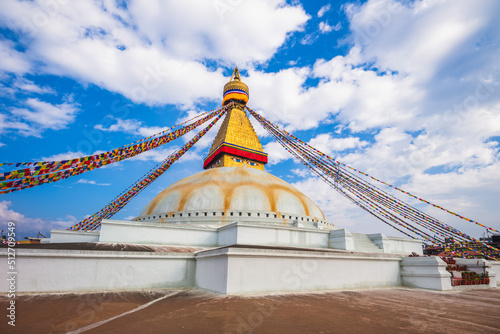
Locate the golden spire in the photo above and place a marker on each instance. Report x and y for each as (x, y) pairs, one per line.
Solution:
(236, 143)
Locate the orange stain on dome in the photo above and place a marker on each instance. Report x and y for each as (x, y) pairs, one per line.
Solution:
(264, 182)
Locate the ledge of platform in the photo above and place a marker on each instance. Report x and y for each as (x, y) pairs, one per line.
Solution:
(232, 270)
(426, 273)
(138, 232)
(62, 270)
(63, 236)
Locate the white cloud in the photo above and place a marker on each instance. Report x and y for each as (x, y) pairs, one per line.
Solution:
(46, 115)
(194, 31)
(329, 145)
(152, 54)
(393, 79)
(38, 116)
(68, 156)
(300, 172)
(421, 82)
(160, 154)
(324, 27)
(131, 126)
(29, 86)
(362, 98)
(63, 156)
(341, 211)
(395, 95)
(27, 225)
(288, 99)
(424, 40)
(7, 215)
(92, 182)
(13, 61)
(276, 153)
(309, 39)
(9, 124)
(323, 142)
(324, 10)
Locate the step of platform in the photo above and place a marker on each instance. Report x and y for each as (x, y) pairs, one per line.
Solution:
(472, 287)
(362, 243)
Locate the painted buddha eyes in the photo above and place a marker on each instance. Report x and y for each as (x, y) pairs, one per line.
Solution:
(251, 163)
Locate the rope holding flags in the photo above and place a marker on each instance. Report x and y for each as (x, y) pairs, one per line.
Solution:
(43, 172)
(94, 221)
(390, 185)
(389, 209)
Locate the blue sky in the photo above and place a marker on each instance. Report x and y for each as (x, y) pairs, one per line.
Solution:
(408, 91)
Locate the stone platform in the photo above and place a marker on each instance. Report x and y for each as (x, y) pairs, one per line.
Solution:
(234, 259)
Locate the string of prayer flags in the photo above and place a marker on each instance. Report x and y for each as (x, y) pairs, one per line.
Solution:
(94, 221)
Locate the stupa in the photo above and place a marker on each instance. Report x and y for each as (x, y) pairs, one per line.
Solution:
(232, 228)
(234, 186)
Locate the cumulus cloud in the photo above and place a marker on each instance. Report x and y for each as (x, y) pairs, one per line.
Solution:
(323, 10)
(390, 79)
(46, 115)
(151, 54)
(30, 226)
(63, 156)
(8, 124)
(28, 86)
(68, 156)
(421, 82)
(322, 142)
(324, 27)
(160, 154)
(362, 98)
(300, 172)
(309, 39)
(340, 211)
(36, 116)
(131, 126)
(414, 100)
(20, 85)
(329, 145)
(276, 153)
(13, 61)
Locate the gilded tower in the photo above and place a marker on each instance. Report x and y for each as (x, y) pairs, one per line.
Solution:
(236, 143)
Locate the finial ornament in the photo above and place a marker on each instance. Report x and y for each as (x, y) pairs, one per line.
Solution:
(235, 90)
(236, 74)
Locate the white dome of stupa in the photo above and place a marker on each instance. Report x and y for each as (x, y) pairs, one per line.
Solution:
(225, 195)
